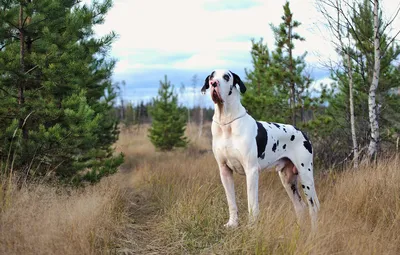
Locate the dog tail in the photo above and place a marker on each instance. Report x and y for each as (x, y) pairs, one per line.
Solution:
(307, 183)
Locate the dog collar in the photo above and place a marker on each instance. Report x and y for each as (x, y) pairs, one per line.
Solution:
(224, 124)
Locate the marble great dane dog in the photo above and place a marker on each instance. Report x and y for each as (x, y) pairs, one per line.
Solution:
(247, 146)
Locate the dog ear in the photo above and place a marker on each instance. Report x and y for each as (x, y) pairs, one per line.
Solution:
(237, 80)
(206, 85)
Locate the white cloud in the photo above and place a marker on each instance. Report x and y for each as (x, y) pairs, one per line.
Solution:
(179, 26)
(316, 85)
(196, 36)
(201, 61)
(207, 28)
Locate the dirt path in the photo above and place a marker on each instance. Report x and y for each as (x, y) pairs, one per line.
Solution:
(141, 235)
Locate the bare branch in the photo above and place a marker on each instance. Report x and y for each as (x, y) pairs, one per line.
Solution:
(354, 31)
(392, 19)
(30, 70)
(352, 8)
(389, 43)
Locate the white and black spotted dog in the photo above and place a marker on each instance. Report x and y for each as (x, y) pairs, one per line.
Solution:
(247, 146)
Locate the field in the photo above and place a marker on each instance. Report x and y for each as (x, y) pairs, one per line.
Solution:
(174, 203)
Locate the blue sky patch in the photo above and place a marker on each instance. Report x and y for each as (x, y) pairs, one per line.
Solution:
(229, 5)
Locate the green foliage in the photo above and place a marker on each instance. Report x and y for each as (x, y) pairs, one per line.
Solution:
(289, 70)
(278, 78)
(264, 99)
(168, 120)
(338, 137)
(55, 82)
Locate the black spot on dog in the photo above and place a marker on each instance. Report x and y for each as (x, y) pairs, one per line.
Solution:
(293, 187)
(284, 146)
(309, 169)
(276, 125)
(307, 143)
(303, 186)
(311, 163)
(284, 129)
(277, 143)
(308, 146)
(292, 138)
(261, 140)
(274, 147)
(295, 192)
(311, 202)
(302, 164)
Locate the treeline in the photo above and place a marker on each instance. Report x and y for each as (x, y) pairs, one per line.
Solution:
(130, 114)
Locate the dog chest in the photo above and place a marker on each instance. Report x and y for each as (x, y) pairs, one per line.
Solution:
(232, 157)
(228, 152)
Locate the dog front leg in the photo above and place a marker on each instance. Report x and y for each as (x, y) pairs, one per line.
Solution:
(252, 193)
(229, 186)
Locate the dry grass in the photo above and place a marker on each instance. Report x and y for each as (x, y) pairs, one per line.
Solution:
(360, 210)
(174, 203)
(41, 219)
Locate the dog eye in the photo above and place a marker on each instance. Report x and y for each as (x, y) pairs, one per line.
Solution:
(226, 77)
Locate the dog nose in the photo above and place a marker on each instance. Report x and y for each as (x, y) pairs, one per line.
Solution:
(214, 83)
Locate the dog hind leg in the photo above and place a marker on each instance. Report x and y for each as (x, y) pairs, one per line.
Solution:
(288, 177)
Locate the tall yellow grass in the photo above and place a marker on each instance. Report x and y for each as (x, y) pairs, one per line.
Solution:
(360, 209)
(174, 203)
(43, 219)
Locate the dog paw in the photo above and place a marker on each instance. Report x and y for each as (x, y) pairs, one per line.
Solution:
(231, 224)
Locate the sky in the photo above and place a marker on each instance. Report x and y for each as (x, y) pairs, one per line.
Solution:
(183, 38)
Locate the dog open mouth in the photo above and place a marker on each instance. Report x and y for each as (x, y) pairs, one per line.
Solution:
(216, 96)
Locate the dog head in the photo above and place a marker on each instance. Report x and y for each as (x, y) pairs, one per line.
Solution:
(222, 84)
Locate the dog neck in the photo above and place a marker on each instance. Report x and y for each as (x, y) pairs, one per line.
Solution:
(230, 110)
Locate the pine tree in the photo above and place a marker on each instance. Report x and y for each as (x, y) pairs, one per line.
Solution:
(56, 95)
(264, 99)
(278, 78)
(168, 120)
(290, 70)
